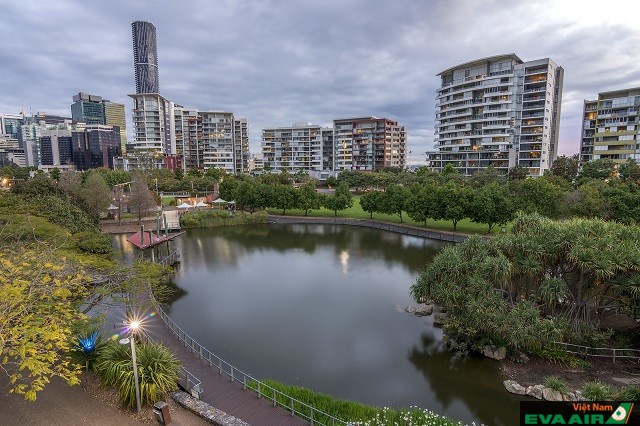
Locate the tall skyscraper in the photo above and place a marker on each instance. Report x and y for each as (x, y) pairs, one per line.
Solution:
(145, 57)
(610, 126)
(498, 111)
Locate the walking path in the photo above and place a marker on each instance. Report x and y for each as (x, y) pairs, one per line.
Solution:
(217, 390)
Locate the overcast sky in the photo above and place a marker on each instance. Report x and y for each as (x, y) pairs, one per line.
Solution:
(280, 62)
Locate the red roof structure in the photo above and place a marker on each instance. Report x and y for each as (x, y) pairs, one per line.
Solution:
(143, 240)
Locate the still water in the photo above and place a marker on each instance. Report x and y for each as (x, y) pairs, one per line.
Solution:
(322, 306)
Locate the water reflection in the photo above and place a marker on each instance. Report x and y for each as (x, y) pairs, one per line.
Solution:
(322, 306)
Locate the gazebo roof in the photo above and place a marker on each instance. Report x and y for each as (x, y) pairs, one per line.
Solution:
(146, 239)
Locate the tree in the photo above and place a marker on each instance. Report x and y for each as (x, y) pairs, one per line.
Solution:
(517, 173)
(630, 171)
(331, 181)
(453, 201)
(587, 200)
(227, 188)
(308, 198)
(420, 202)
(178, 174)
(70, 182)
(370, 202)
(491, 205)
(284, 197)
(37, 294)
(539, 195)
(601, 169)
(95, 194)
(393, 200)
(55, 173)
(565, 167)
(485, 177)
(341, 200)
(141, 200)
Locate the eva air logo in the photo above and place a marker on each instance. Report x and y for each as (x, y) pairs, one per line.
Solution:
(621, 415)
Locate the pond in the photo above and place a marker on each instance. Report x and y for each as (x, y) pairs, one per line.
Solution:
(323, 307)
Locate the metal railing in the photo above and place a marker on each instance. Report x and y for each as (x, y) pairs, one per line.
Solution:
(170, 259)
(190, 383)
(262, 390)
(587, 351)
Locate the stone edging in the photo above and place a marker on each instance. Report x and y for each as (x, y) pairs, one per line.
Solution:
(400, 229)
(541, 392)
(206, 411)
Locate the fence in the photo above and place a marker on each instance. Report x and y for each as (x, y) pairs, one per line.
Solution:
(190, 383)
(249, 382)
(586, 351)
(170, 259)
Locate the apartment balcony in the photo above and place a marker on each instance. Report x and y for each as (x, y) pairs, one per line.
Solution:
(619, 133)
(533, 105)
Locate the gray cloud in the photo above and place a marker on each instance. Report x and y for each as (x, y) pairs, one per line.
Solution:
(279, 62)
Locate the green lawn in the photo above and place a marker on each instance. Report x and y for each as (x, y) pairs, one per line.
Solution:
(465, 226)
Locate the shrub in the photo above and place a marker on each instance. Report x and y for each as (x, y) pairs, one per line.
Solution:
(157, 371)
(88, 349)
(93, 242)
(556, 383)
(629, 393)
(597, 391)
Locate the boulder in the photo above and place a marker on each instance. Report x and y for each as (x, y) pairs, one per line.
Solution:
(410, 309)
(514, 387)
(495, 353)
(534, 391)
(439, 318)
(551, 395)
(523, 358)
(423, 310)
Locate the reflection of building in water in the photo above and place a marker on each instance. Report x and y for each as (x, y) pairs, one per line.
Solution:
(344, 261)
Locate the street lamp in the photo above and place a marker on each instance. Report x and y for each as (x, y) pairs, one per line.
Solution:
(134, 325)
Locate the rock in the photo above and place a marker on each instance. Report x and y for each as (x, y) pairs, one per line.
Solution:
(495, 353)
(523, 358)
(439, 318)
(514, 387)
(534, 391)
(423, 310)
(551, 395)
(569, 396)
(410, 309)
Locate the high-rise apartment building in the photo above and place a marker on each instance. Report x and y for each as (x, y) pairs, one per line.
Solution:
(368, 143)
(145, 57)
(611, 126)
(10, 124)
(241, 145)
(295, 148)
(498, 111)
(153, 123)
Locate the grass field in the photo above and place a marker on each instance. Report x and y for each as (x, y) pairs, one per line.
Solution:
(464, 226)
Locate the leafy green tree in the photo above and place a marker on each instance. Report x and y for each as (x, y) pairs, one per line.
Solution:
(485, 177)
(517, 173)
(285, 197)
(95, 194)
(565, 167)
(601, 169)
(622, 201)
(420, 202)
(491, 204)
(630, 171)
(55, 173)
(227, 188)
(394, 199)
(195, 173)
(539, 195)
(178, 174)
(331, 181)
(370, 202)
(308, 198)
(453, 203)
(341, 200)
(39, 185)
(70, 182)
(587, 200)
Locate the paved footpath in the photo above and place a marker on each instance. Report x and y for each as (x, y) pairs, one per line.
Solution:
(218, 390)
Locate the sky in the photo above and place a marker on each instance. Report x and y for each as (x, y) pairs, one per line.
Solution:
(283, 62)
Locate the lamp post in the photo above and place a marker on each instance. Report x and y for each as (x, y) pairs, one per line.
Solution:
(134, 327)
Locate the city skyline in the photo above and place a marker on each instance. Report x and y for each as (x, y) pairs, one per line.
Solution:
(278, 63)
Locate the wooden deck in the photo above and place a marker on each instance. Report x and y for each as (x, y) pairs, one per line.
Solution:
(217, 390)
